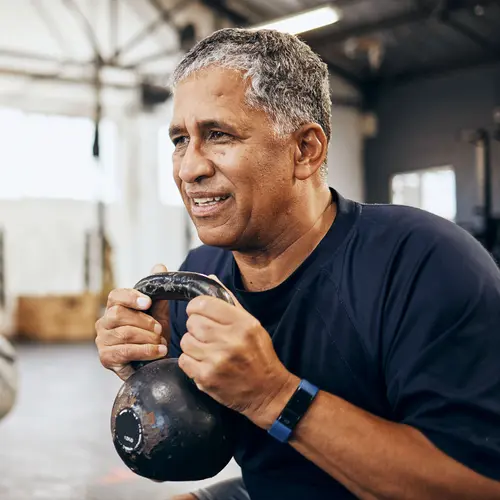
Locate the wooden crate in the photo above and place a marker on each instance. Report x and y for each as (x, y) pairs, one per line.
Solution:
(55, 318)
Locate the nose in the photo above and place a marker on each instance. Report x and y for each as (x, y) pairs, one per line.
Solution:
(194, 165)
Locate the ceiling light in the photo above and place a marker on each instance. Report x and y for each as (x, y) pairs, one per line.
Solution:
(304, 21)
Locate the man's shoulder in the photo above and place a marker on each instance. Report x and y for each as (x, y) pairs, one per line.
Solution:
(392, 227)
(207, 260)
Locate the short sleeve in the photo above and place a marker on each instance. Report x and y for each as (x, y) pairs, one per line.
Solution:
(442, 345)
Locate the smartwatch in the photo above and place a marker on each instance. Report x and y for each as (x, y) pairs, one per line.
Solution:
(294, 410)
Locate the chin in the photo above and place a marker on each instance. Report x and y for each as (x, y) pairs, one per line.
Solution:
(218, 238)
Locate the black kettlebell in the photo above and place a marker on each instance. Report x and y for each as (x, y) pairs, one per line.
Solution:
(164, 428)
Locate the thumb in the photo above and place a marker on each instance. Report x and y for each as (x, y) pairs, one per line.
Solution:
(159, 268)
(235, 300)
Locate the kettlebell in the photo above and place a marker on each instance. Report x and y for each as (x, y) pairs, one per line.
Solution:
(164, 428)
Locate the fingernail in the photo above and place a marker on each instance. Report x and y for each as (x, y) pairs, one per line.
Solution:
(162, 350)
(158, 328)
(143, 302)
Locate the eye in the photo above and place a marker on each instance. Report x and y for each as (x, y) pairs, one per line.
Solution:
(216, 135)
(179, 141)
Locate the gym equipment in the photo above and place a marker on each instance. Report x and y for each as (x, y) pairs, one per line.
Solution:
(489, 233)
(164, 428)
(8, 377)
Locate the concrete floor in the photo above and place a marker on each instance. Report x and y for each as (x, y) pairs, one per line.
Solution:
(56, 443)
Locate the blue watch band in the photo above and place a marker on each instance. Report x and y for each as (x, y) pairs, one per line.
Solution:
(294, 410)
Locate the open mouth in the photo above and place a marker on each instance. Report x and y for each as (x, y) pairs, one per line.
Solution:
(206, 202)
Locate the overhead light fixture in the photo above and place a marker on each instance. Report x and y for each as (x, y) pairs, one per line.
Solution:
(304, 21)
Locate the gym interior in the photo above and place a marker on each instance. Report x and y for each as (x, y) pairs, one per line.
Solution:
(88, 202)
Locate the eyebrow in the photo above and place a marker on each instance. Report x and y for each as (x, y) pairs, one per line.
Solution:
(175, 130)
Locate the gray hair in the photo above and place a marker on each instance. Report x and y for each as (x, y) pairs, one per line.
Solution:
(288, 80)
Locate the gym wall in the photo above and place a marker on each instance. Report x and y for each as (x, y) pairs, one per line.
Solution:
(418, 128)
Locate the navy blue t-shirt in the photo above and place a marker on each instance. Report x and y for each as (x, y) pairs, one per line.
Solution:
(398, 312)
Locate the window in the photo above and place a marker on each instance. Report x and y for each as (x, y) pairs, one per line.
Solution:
(167, 188)
(432, 189)
(50, 156)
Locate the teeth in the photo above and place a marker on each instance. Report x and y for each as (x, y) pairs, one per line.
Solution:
(203, 201)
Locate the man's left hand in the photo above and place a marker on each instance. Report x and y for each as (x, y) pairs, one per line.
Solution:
(230, 356)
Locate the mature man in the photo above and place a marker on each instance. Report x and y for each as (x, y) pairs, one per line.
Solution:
(385, 319)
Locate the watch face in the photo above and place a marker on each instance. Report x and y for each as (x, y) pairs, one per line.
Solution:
(294, 410)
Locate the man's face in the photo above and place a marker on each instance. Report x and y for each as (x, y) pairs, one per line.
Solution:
(234, 174)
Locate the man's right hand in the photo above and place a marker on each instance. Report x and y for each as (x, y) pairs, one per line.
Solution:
(125, 333)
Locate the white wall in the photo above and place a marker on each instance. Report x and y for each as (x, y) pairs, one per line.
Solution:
(45, 239)
(345, 155)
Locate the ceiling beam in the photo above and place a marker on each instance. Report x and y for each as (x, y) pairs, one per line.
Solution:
(114, 7)
(436, 71)
(472, 35)
(51, 26)
(17, 54)
(220, 6)
(54, 77)
(87, 27)
(334, 33)
(164, 17)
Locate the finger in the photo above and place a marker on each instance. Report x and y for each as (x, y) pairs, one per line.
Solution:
(160, 309)
(212, 276)
(159, 268)
(128, 297)
(191, 367)
(193, 347)
(213, 308)
(130, 335)
(123, 371)
(119, 315)
(202, 328)
(123, 354)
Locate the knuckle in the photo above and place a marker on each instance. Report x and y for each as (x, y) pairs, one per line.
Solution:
(97, 324)
(219, 360)
(105, 358)
(152, 323)
(119, 355)
(254, 324)
(150, 350)
(113, 297)
(206, 379)
(115, 313)
(184, 341)
(190, 323)
(122, 334)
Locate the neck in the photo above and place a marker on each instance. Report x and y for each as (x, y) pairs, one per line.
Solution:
(267, 267)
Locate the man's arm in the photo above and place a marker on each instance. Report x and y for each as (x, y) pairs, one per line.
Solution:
(441, 361)
(374, 458)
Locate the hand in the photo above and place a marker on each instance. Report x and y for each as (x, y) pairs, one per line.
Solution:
(230, 356)
(126, 334)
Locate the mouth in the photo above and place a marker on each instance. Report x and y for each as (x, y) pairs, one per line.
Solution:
(209, 206)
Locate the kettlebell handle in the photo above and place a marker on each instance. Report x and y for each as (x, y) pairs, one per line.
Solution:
(179, 285)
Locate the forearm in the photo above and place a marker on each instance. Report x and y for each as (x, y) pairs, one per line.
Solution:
(377, 459)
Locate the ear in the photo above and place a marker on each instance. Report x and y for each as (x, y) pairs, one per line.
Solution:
(310, 151)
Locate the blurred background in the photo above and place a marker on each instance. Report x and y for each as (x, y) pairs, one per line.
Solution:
(87, 200)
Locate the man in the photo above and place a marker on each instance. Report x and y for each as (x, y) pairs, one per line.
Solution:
(385, 319)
